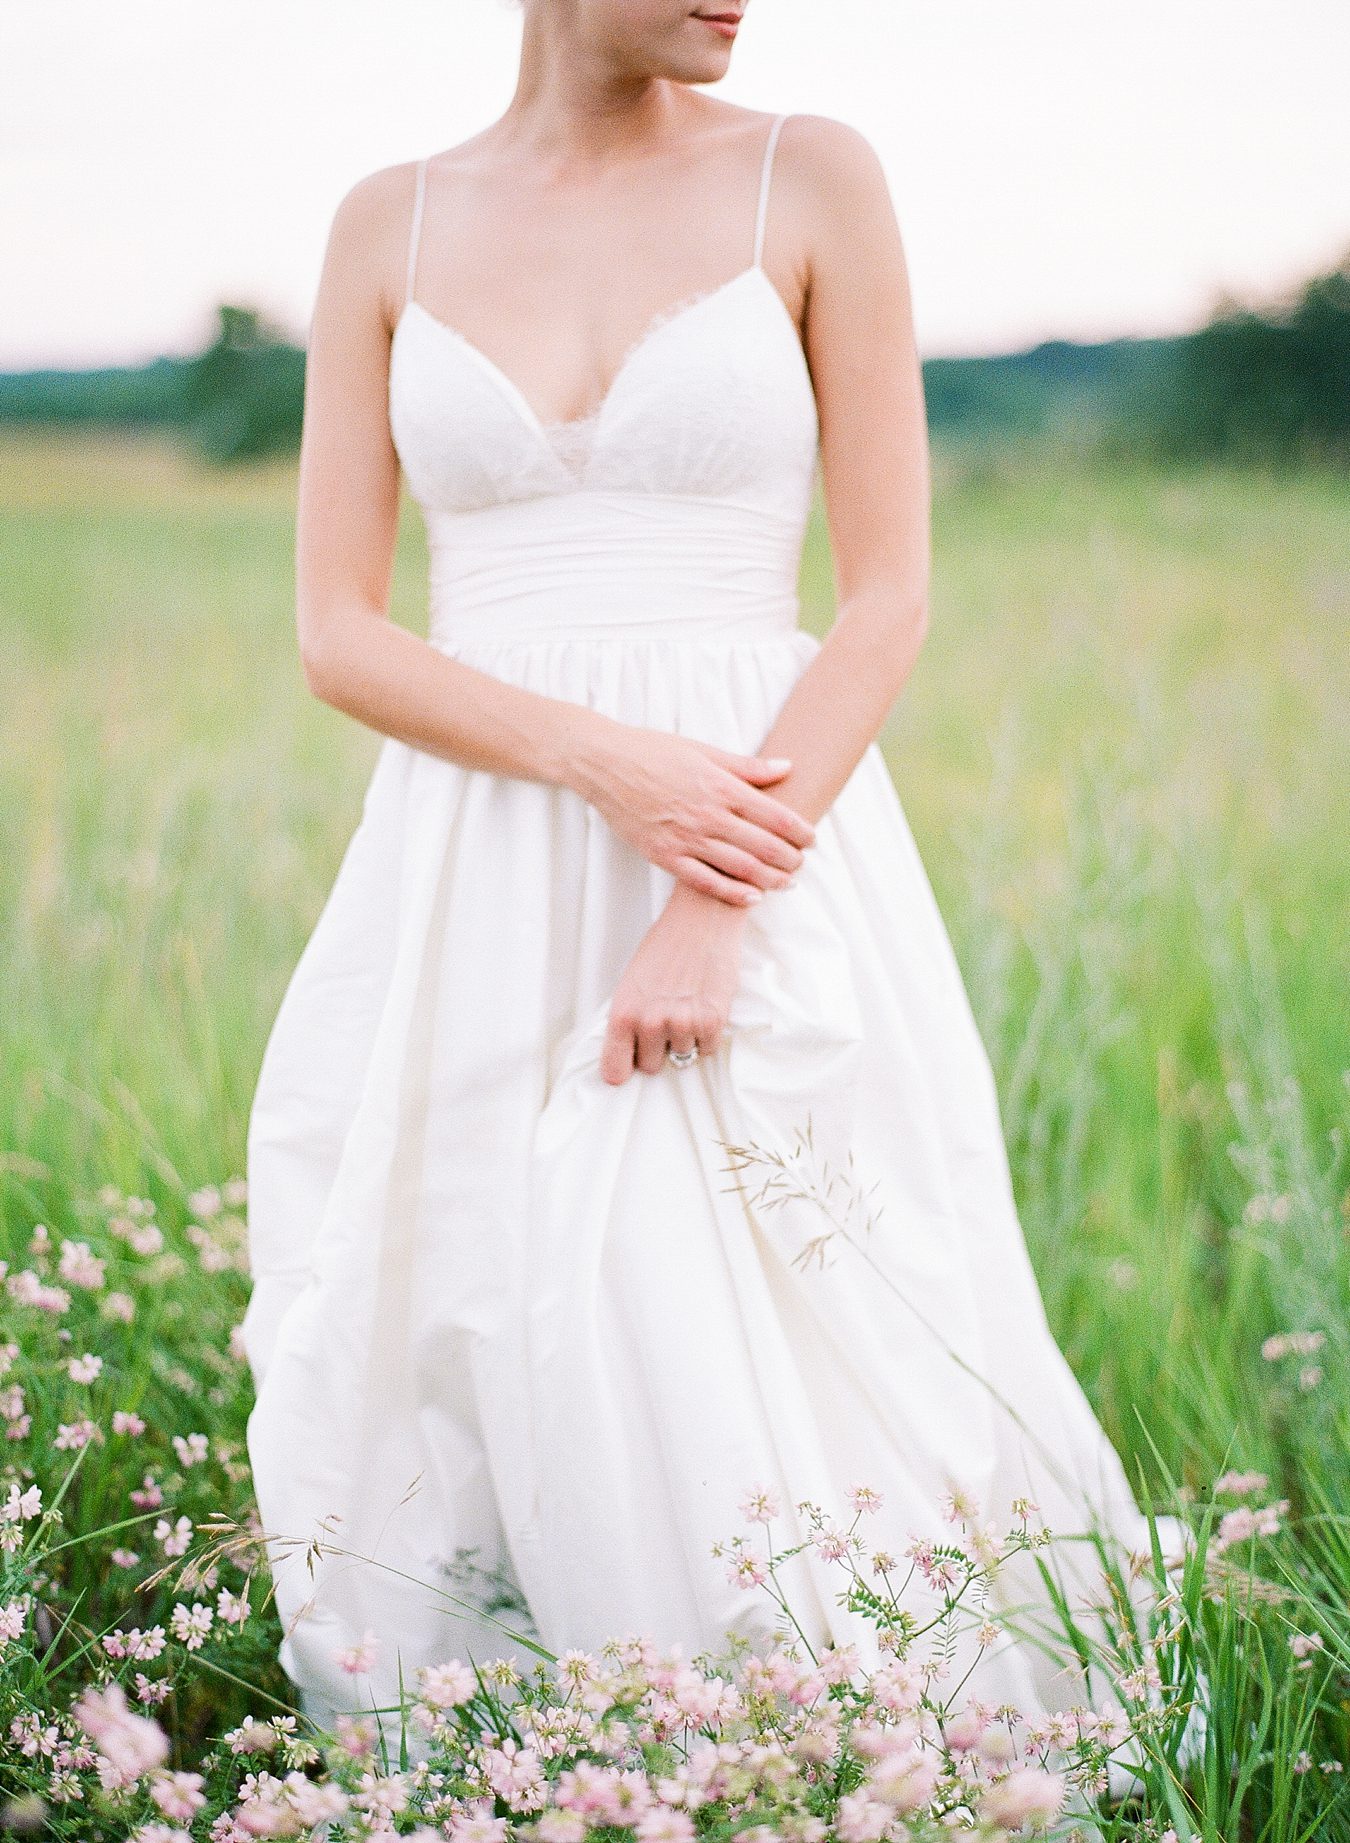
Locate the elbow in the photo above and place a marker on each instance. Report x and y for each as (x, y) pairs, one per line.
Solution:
(313, 670)
(334, 651)
(906, 625)
(890, 623)
(919, 623)
(903, 633)
(317, 666)
(320, 640)
(914, 606)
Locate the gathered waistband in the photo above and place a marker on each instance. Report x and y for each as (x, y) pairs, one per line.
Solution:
(604, 564)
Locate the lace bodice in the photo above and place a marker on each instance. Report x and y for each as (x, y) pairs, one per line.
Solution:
(714, 396)
(686, 489)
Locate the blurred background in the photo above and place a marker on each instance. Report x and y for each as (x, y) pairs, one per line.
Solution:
(1128, 229)
(1136, 219)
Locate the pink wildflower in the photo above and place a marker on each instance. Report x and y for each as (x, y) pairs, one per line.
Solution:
(1240, 1484)
(1292, 1343)
(356, 1735)
(964, 1730)
(173, 1538)
(31, 1738)
(28, 1288)
(862, 1818)
(315, 1802)
(70, 1438)
(13, 1618)
(131, 1744)
(232, 1609)
(906, 1782)
(661, 1824)
(831, 1542)
(359, 1659)
(515, 1775)
(1027, 1795)
(477, 1826)
(178, 1795)
(1241, 1524)
(747, 1569)
(958, 1505)
(760, 1505)
(448, 1686)
(191, 1625)
(21, 1506)
(80, 1265)
(898, 1686)
(134, 1643)
(561, 1827)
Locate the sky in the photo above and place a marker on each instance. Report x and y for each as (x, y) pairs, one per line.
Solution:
(1058, 169)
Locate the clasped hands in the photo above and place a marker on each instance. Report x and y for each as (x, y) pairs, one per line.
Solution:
(701, 813)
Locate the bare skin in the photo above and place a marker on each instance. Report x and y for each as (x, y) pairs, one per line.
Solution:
(608, 147)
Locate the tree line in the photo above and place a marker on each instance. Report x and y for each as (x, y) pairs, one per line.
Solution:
(1266, 384)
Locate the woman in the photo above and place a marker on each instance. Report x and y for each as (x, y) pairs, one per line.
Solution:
(631, 890)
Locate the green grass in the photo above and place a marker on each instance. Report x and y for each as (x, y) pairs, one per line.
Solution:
(1119, 755)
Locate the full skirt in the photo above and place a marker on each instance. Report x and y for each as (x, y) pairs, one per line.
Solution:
(524, 1340)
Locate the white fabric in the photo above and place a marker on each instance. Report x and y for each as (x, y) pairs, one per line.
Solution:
(501, 1306)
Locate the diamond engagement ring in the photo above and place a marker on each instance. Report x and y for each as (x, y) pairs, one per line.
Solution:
(682, 1057)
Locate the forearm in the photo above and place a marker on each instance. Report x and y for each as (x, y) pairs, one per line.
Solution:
(828, 719)
(397, 683)
(839, 703)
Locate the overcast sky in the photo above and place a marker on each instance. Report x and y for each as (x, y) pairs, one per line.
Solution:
(1059, 168)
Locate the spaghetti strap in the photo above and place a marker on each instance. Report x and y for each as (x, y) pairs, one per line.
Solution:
(415, 232)
(765, 171)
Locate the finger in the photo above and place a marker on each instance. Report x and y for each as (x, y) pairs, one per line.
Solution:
(767, 848)
(652, 1040)
(755, 768)
(735, 862)
(683, 1035)
(616, 1053)
(774, 815)
(710, 882)
(711, 1029)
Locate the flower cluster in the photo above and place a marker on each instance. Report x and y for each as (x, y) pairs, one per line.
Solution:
(785, 1741)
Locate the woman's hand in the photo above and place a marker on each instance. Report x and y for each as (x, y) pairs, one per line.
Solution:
(695, 810)
(676, 991)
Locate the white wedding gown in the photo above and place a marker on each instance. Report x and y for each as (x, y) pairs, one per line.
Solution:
(505, 1313)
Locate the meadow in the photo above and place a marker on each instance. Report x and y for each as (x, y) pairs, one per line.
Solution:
(1119, 757)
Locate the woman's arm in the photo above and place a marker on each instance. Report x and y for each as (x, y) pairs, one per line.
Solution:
(860, 346)
(865, 368)
(698, 811)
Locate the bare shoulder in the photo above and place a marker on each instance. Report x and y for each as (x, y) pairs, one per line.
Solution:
(840, 203)
(832, 162)
(379, 204)
(367, 238)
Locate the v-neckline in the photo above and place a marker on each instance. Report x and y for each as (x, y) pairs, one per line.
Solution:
(515, 396)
